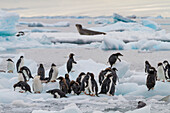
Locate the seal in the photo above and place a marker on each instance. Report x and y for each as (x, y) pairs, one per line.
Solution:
(83, 31)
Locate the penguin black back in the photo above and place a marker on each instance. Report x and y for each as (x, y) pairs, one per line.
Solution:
(24, 68)
(41, 72)
(68, 82)
(23, 85)
(113, 58)
(19, 63)
(147, 66)
(151, 79)
(54, 91)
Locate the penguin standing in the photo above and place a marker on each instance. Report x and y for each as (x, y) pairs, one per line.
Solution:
(53, 73)
(108, 86)
(21, 76)
(167, 69)
(26, 72)
(113, 58)
(84, 84)
(147, 66)
(63, 84)
(114, 75)
(75, 87)
(160, 72)
(57, 93)
(23, 85)
(70, 62)
(68, 82)
(20, 63)
(80, 78)
(41, 72)
(151, 78)
(102, 75)
(37, 86)
(10, 66)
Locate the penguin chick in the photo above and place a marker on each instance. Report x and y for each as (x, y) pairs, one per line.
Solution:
(68, 82)
(63, 84)
(75, 87)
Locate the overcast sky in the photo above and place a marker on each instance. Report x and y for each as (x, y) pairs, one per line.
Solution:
(87, 7)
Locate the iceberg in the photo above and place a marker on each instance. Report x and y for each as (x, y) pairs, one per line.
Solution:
(117, 18)
(8, 23)
(150, 24)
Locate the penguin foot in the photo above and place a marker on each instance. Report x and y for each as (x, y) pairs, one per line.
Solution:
(163, 81)
(53, 81)
(73, 71)
(92, 94)
(37, 92)
(21, 91)
(10, 71)
(86, 93)
(153, 88)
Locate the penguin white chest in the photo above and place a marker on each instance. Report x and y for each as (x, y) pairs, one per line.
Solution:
(20, 77)
(55, 73)
(37, 86)
(160, 73)
(110, 86)
(10, 66)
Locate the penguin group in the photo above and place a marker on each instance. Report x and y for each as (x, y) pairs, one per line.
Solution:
(162, 73)
(84, 83)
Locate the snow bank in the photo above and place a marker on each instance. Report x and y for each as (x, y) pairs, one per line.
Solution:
(117, 18)
(145, 109)
(150, 24)
(102, 21)
(71, 108)
(41, 24)
(8, 22)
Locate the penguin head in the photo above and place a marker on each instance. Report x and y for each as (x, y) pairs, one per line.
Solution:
(159, 64)
(82, 73)
(41, 65)
(118, 54)
(91, 75)
(9, 60)
(66, 75)
(79, 26)
(71, 55)
(114, 69)
(165, 62)
(60, 78)
(21, 56)
(53, 65)
(146, 62)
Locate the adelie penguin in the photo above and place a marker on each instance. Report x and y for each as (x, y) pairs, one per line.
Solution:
(21, 76)
(83, 31)
(70, 62)
(80, 77)
(68, 82)
(75, 87)
(151, 78)
(53, 73)
(63, 84)
(147, 66)
(161, 72)
(91, 84)
(167, 69)
(37, 86)
(113, 58)
(41, 72)
(26, 72)
(10, 66)
(57, 93)
(23, 85)
(20, 63)
(108, 86)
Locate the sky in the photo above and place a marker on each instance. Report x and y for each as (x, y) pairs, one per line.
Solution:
(28, 8)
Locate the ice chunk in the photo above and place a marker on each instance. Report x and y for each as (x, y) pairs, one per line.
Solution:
(150, 24)
(8, 22)
(118, 18)
(145, 109)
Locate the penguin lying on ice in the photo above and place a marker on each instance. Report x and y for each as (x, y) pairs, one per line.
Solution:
(57, 93)
(23, 85)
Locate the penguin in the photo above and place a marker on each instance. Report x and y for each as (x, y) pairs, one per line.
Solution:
(141, 104)
(160, 72)
(68, 82)
(167, 69)
(53, 73)
(114, 75)
(92, 85)
(113, 58)
(20, 63)
(10, 66)
(84, 84)
(57, 93)
(21, 76)
(80, 78)
(108, 86)
(23, 85)
(26, 72)
(63, 84)
(20, 33)
(147, 66)
(102, 75)
(75, 87)
(36, 85)
(151, 78)
(70, 62)
(41, 72)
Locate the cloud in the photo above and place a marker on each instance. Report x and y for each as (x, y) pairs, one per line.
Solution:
(14, 9)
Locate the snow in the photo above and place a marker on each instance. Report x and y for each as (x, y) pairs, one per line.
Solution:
(41, 24)
(8, 22)
(145, 109)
